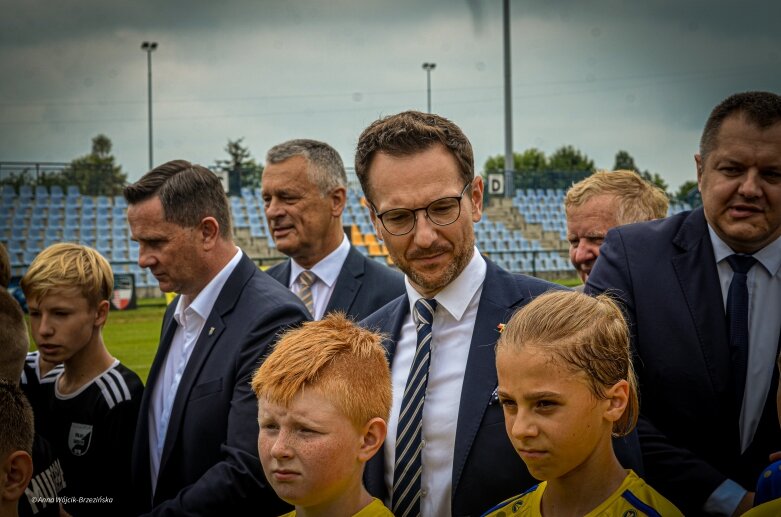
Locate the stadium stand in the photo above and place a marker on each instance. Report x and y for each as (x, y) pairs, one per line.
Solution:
(524, 234)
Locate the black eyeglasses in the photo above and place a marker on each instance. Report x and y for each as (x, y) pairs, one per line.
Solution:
(442, 212)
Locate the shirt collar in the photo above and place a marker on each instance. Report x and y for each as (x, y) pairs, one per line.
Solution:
(328, 269)
(455, 297)
(769, 256)
(204, 302)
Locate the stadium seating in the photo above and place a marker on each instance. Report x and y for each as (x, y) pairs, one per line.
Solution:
(526, 234)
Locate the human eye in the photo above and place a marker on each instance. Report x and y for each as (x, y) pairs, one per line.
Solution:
(574, 241)
(34, 313)
(546, 404)
(398, 216)
(506, 403)
(442, 206)
(268, 426)
(772, 175)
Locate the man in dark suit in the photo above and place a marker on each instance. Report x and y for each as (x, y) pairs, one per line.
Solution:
(449, 455)
(304, 189)
(195, 449)
(702, 292)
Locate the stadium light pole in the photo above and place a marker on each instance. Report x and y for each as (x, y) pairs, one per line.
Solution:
(149, 47)
(509, 161)
(428, 67)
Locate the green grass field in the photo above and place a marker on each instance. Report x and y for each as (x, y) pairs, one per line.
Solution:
(132, 336)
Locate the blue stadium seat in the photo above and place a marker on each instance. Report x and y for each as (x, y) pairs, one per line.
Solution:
(25, 192)
(29, 256)
(70, 234)
(34, 245)
(52, 233)
(119, 201)
(56, 191)
(73, 191)
(103, 201)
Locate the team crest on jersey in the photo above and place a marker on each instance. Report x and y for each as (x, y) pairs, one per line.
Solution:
(79, 438)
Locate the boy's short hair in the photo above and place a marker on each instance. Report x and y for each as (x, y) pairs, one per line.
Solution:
(343, 361)
(65, 266)
(14, 341)
(587, 334)
(16, 425)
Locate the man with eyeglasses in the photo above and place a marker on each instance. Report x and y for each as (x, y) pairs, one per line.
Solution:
(447, 452)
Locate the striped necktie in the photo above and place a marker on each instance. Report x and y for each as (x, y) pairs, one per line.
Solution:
(305, 281)
(409, 433)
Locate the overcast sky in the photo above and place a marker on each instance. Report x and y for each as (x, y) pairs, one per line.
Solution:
(601, 75)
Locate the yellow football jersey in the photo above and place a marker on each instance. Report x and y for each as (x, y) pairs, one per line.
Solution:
(633, 498)
(373, 509)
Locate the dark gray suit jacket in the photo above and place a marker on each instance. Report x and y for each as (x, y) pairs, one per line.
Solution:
(363, 285)
(665, 274)
(486, 468)
(210, 464)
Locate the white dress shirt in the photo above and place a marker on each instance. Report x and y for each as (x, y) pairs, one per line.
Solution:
(764, 325)
(451, 336)
(327, 271)
(190, 316)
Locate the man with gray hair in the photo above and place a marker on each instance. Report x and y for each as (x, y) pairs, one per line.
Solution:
(304, 188)
(604, 200)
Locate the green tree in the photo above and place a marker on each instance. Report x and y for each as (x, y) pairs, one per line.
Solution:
(686, 190)
(624, 161)
(241, 164)
(95, 174)
(569, 159)
(530, 160)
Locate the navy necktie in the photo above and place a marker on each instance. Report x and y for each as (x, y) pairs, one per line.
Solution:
(407, 470)
(737, 320)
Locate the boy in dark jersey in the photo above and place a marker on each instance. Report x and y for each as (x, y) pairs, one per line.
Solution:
(40, 497)
(89, 412)
(16, 440)
(35, 374)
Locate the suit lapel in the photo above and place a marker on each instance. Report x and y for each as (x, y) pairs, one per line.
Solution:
(347, 283)
(500, 296)
(281, 273)
(203, 347)
(141, 441)
(699, 282)
(390, 326)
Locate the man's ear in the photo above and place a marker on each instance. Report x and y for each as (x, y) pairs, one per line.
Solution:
(210, 232)
(376, 223)
(17, 469)
(338, 198)
(700, 164)
(477, 198)
(372, 438)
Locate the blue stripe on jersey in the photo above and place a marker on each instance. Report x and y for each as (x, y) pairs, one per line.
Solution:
(508, 501)
(637, 503)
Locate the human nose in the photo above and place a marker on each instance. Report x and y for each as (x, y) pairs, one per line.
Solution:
(524, 426)
(584, 252)
(425, 231)
(750, 184)
(280, 448)
(273, 208)
(145, 257)
(44, 325)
